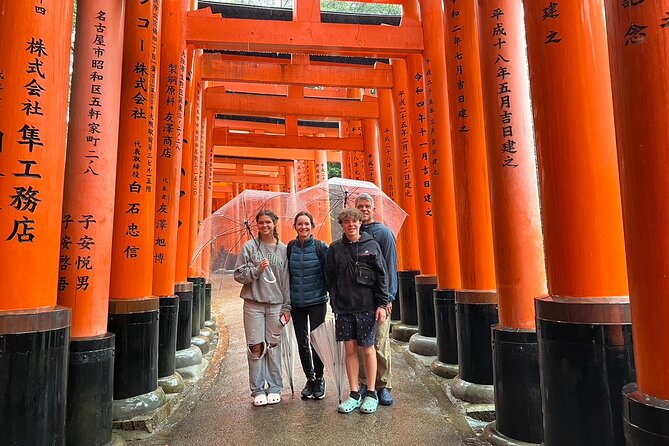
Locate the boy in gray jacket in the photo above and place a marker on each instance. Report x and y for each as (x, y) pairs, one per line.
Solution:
(262, 267)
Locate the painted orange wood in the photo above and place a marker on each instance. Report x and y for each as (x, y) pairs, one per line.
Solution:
(477, 265)
(512, 165)
(638, 37)
(576, 148)
(90, 169)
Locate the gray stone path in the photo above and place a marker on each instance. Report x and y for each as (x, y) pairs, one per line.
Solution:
(218, 411)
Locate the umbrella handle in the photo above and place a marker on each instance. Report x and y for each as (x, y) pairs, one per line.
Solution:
(268, 272)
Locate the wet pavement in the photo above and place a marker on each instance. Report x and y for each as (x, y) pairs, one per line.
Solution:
(219, 410)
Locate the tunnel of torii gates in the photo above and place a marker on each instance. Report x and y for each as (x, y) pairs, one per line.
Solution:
(515, 212)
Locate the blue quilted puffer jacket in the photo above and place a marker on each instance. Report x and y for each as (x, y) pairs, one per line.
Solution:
(307, 284)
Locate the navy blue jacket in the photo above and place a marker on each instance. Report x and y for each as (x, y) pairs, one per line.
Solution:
(386, 240)
(307, 284)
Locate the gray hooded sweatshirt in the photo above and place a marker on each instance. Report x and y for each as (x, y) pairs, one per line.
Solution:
(256, 288)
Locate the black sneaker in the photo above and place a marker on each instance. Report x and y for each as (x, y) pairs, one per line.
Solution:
(308, 391)
(319, 389)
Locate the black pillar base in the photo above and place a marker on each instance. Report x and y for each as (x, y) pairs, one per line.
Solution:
(407, 296)
(425, 285)
(447, 333)
(195, 308)
(585, 359)
(167, 335)
(90, 391)
(207, 302)
(184, 327)
(476, 312)
(203, 301)
(135, 323)
(517, 384)
(646, 418)
(34, 349)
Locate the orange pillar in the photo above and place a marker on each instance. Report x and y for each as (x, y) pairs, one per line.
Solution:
(347, 160)
(638, 42)
(290, 178)
(403, 164)
(88, 209)
(34, 43)
(408, 242)
(370, 134)
(390, 184)
(132, 306)
(322, 175)
(439, 144)
(583, 234)
(476, 302)
(517, 236)
(169, 154)
(183, 288)
(195, 272)
(421, 164)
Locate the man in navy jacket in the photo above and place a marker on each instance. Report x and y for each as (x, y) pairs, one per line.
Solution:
(386, 240)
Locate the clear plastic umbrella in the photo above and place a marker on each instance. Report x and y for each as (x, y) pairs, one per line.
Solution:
(223, 234)
(325, 200)
(331, 352)
(288, 353)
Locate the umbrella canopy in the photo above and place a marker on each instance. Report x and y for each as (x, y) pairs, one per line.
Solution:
(325, 200)
(288, 350)
(223, 234)
(331, 352)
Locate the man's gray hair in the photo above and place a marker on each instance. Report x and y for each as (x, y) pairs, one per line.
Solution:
(364, 196)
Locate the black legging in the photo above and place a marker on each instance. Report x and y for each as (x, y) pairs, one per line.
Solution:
(315, 314)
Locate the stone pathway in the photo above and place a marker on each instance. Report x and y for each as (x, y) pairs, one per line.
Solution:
(218, 410)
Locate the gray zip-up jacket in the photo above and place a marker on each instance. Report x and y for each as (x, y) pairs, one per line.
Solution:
(256, 288)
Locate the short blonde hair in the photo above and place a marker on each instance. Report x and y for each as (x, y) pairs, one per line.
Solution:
(349, 214)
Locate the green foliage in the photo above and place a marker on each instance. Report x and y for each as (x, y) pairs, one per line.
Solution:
(326, 5)
(334, 170)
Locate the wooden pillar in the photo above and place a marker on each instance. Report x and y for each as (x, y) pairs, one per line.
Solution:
(34, 332)
(169, 154)
(290, 178)
(638, 40)
(388, 151)
(133, 310)
(582, 222)
(516, 222)
(88, 209)
(370, 134)
(183, 288)
(403, 164)
(439, 143)
(421, 164)
(476, 302)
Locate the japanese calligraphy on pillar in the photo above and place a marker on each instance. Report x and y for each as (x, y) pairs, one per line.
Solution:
(77, 232)
(137, 136)
(387, 160)
(432, 137)
(551, 22)
(456, 41)
(321, 172)
(419, 137)
(642, 22)
(25, 195)
(504, 94)
(404, 136)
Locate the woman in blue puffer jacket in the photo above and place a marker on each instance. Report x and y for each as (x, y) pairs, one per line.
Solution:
(306, 257)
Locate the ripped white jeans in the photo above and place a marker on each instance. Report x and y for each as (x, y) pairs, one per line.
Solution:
(262, 326)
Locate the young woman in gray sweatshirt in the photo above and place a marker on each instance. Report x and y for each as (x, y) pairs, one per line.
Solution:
(262, 269)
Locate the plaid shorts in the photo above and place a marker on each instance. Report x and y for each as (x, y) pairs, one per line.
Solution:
(359, 326)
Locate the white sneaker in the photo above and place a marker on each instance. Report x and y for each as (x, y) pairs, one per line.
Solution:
(273, 398)
(260, 400)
